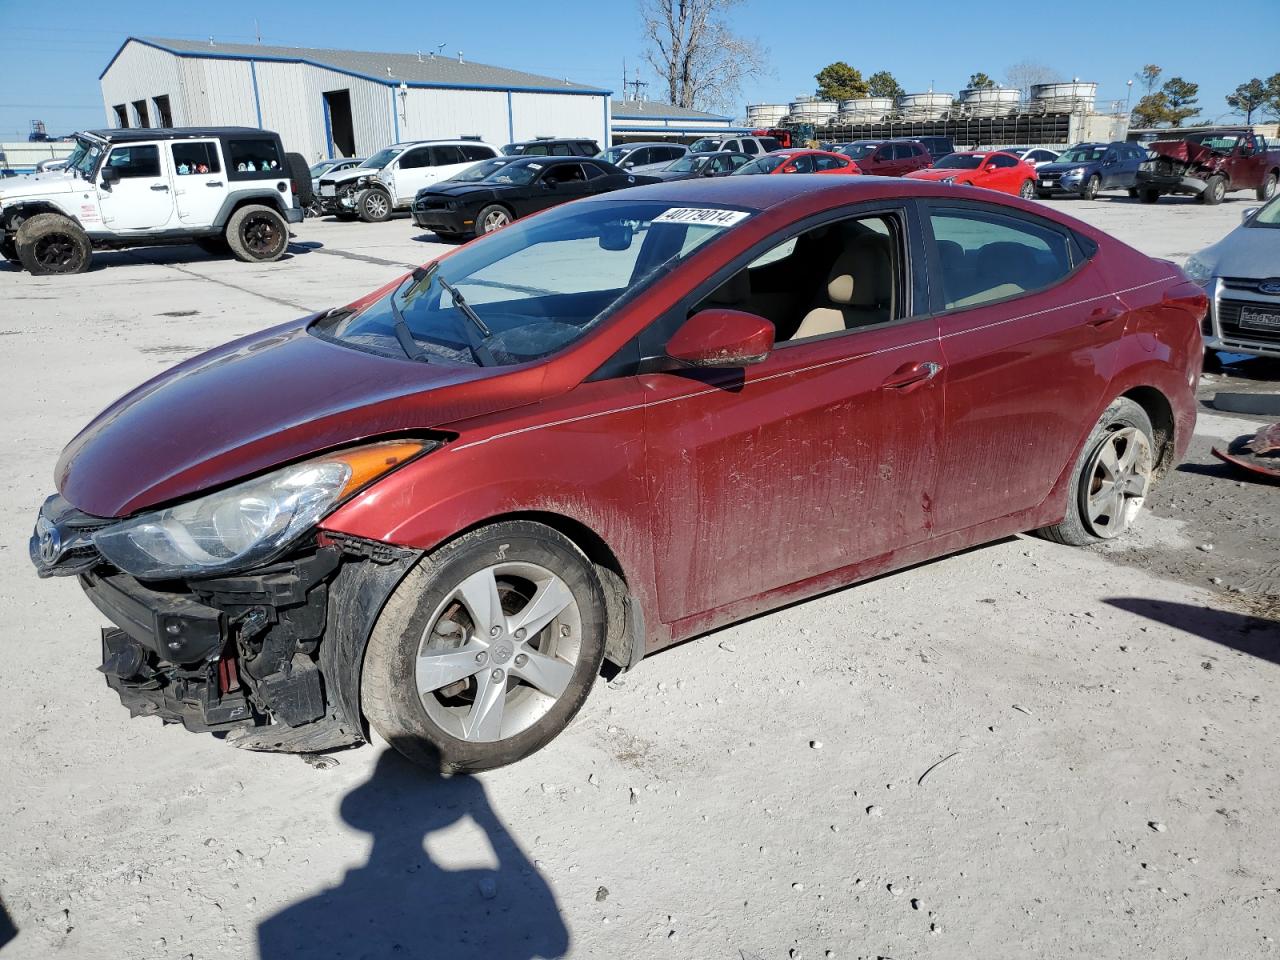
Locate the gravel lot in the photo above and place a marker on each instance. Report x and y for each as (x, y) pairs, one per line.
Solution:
(1111, 784)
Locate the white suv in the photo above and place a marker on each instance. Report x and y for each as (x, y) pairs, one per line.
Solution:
(225, 188)
(391, 178)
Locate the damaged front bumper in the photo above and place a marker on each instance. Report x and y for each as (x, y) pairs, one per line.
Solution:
(271, 657)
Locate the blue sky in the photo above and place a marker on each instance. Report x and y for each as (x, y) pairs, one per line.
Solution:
(55, 51)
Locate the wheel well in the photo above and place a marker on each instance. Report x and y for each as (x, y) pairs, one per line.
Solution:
(1158, 410)
(259, 200)
(15, 215)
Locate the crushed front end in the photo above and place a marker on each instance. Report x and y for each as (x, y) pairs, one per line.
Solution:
(270, 657)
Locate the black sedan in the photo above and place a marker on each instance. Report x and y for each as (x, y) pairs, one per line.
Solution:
(466, 206)
(711, 164)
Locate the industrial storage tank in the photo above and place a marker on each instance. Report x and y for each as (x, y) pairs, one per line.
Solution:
(766, 114)
(924, 106)
(990, 101)
(865, 109)
(813, 110)
(1073, 97)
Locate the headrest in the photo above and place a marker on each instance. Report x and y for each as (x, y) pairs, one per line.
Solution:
(1007, 260)
(860, 272)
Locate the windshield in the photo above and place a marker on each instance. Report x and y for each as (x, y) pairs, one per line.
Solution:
(321, 167)
(705, 145)
(536, 286)
(1268, 216)
(481, 170)
(686, 164)
(766, 164)
(1081, 155)
(859, 151)
(1222, 142)
(381, 159)
(518, 174)
(960, 161)
(84, 157)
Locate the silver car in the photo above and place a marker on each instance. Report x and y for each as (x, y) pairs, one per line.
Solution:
(1241, 274)
(643, 157)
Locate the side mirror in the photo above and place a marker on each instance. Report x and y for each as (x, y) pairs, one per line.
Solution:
(110, 177)
(627, 164)
(722, 338)
(1248, 213)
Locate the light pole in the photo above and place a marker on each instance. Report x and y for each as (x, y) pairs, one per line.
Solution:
(1127, 97)
(404, 102)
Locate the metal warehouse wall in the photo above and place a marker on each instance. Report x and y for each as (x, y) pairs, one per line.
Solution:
(560, 115)
(142, 73)
(219, 92)
(292, 97)
(447, 114)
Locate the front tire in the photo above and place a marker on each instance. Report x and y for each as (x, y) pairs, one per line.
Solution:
(1268, 188)
(257, 234)
(1111, 479)
(50, 243)
(373, 206)
(487, 649)
(1091, 187)
(491, 218)
(1213, 191)
(1148, 196)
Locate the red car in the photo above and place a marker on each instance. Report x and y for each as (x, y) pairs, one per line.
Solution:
(798, 161)
(600, 431)
(1000, 171)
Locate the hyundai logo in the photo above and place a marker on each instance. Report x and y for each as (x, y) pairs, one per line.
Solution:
(1270, 286)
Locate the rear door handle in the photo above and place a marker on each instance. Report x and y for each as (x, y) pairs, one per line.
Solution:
(1104, 315)
(213, 183)
(160, 186)
(911, 374)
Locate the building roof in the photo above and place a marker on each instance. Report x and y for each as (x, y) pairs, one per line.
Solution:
(652, 110)
(413, 69)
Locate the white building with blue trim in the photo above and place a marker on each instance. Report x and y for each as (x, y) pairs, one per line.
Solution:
(342, 102)
(635, 121)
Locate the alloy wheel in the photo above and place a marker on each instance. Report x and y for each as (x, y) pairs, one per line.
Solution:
(1028, 190)
(261, 235)
(55, 252)
(1118, 477)
(499, 651)
(375, 205)
(496, 221)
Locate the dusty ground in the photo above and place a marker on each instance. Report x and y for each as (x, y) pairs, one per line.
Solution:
(1111, 784)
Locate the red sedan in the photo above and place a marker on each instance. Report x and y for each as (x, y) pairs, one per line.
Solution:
(798, 161)
(1000, 171)
(600, 431)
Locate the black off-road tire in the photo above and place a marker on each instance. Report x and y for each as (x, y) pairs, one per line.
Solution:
(1074, 531)
(388, 688)
(300, 174)
(50, 243)
(1133, 193)
(374, 205)
(1148, 196)
(9, 250)
(1091, 187)
(1214, 191)
(1268, 188)
(257, 234)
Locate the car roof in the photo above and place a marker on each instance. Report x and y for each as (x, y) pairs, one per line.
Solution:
(446, 143)
(648, 143)
(541, 161)
(133, 134)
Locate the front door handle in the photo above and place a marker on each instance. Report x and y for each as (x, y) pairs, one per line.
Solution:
(160, 186)
(213, 183)
(1104, 315)
(912, 374)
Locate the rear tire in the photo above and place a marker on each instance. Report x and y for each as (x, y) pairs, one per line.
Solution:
(373, 205)
(1123, 426)
(1133, 193)
(50, 243)
(438, 667)
(1268, 188)
(1214, 190)
(1148, 196)
(257, 234)
(1028, 190)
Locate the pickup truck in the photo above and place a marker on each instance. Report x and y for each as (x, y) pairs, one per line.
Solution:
(1209, 164)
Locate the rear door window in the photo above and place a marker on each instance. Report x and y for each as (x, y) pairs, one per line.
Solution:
(828, 163)
(474, 151)
(985, 256)
(751, 147)
(253, 158)
(803, 163)
(196, 157)
(446, 155)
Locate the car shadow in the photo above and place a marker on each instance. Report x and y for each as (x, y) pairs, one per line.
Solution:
(1256, 636)
(8, 930)
(404, 903)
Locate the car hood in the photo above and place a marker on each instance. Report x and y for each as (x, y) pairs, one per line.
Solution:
(1062, 166)
(40, 185)
(354, 173)
(1252, 252)
(261, 401)
(460, 191)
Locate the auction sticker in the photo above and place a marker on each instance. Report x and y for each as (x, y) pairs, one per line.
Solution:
(704, 215)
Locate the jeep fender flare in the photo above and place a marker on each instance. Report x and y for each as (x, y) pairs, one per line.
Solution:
(238, 198)
(25, 210)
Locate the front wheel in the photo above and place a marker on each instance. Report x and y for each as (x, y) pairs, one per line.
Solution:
(1213, 191)
(257, 234)
(1268, 188)
(1091, 187)
(373, 206)
(491, 218)
(1028, 190)
(487, 649)
(50, 243)
(1111, 479)
(1148, 196)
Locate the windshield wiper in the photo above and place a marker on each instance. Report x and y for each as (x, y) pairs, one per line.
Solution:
(404, 336)
(479, 352)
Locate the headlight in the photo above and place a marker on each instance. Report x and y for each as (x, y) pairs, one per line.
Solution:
(249, 523)
(951, 179)
(1198, 271)
(1075, 172)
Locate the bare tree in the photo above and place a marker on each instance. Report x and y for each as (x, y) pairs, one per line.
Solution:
(699, 59)
(1025, 74)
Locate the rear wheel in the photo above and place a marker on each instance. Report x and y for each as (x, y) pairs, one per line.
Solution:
(487, 649)
(1133, 193)
(491, 218)
(1148, 196)
(1111, 479)
(373, 206)
(1268, 188)
(257, 234)
(1213, 191)
(50, 243)
(1028, 190)
(1091, 187)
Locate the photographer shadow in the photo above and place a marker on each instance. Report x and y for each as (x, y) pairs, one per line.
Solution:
(402, 903)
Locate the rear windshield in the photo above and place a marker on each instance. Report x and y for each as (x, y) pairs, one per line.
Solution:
(253, 159)
(1222, 142)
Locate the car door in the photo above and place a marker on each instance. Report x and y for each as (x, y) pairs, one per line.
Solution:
(142, 199)
(813, 460)
(1029, 333)
(1247, 164)
(799, 164)
(823, 164)
(408, 173)
(199, 184)
(885, 162)
(559, 183)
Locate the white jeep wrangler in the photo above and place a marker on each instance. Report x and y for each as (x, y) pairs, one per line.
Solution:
(392, 177)
(224, 188)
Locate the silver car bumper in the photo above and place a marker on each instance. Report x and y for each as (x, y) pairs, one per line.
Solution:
(1239, 319)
